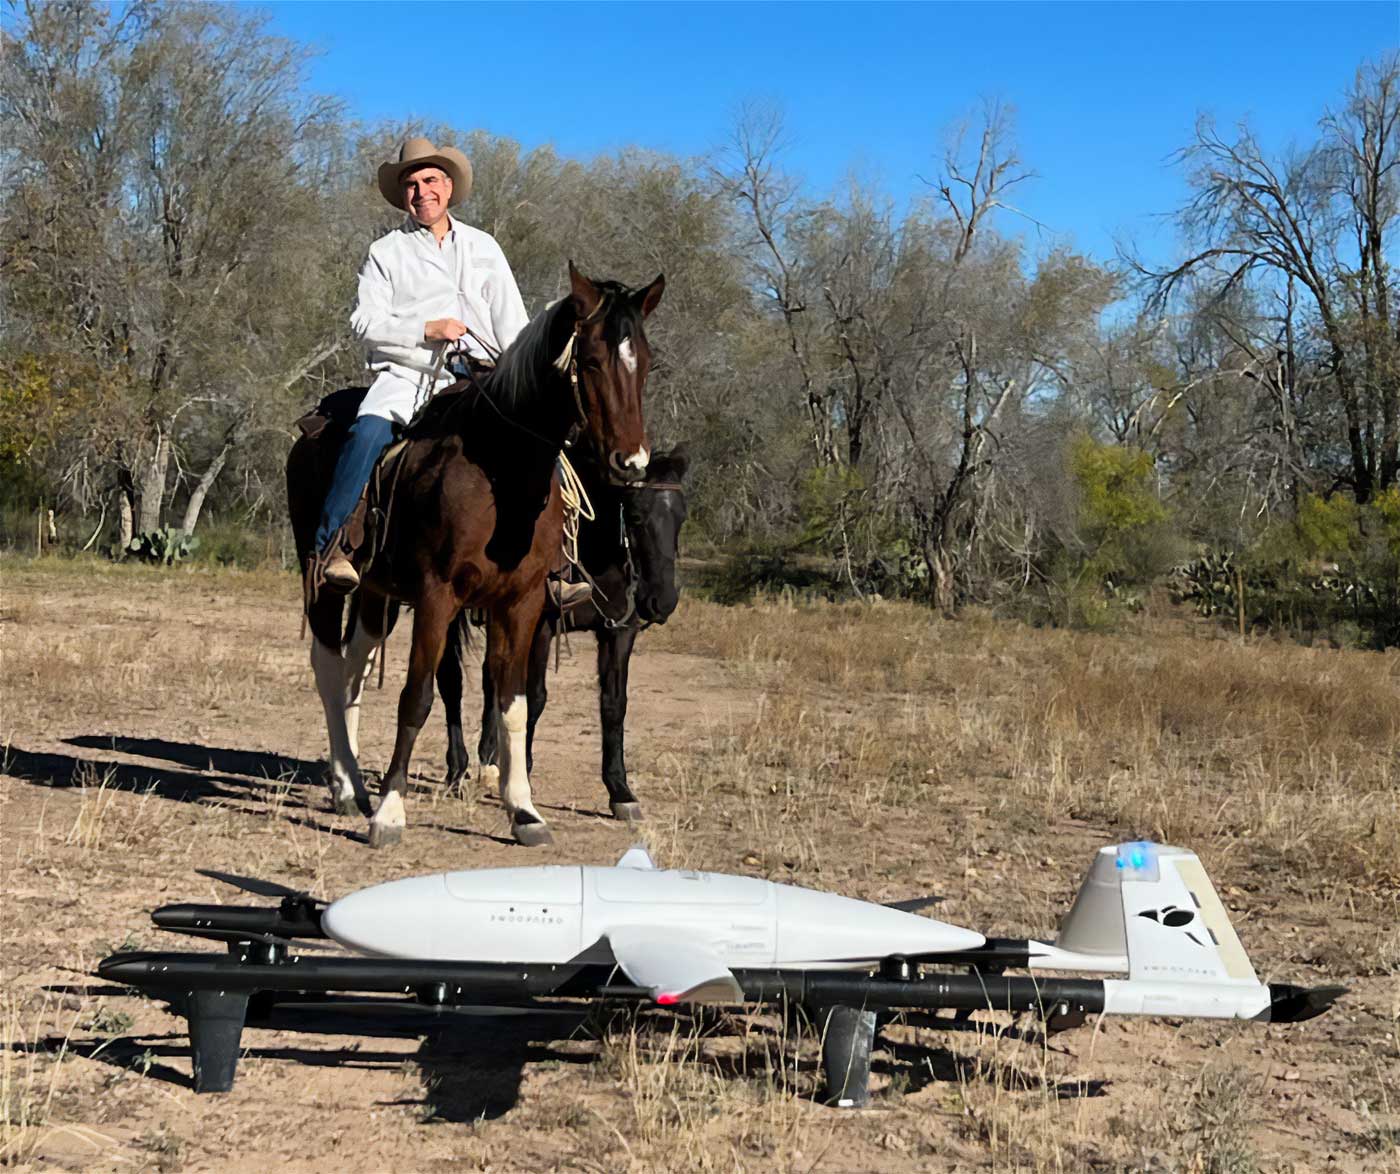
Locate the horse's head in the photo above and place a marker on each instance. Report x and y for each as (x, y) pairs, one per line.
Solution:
(610, 359)
(654, 511)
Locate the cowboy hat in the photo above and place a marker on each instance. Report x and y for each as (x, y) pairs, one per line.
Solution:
(419, 152)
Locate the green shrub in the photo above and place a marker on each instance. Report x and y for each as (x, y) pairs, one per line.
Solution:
(232, 544)
(1331, 572)
(1123, 527)
(1122, 540)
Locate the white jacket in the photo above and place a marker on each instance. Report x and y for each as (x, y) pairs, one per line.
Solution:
(407, 281)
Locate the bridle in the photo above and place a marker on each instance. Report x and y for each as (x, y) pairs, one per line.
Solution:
(629, 567)
(568, 360)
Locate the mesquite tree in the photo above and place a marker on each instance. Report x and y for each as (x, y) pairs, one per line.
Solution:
(1310, 228)
(160, 217)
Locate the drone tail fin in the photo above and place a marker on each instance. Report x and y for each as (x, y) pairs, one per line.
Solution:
(1156, 905)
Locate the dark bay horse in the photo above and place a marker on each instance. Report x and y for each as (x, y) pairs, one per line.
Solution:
(630, 549)
(473, 520)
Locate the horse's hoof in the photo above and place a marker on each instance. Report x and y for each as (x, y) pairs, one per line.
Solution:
(384, 835)
(630, 812)
(532, 835)
(345, 805)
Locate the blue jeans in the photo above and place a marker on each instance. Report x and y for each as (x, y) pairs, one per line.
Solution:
(369, 436)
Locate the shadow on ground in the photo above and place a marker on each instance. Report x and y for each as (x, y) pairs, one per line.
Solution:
(221, 760)
(472, 1060)
(64, 771)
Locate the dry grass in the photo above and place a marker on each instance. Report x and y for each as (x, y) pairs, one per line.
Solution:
(873, 750)
(1261, 755)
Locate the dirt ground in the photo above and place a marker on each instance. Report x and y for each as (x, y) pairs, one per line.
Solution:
(154, 723)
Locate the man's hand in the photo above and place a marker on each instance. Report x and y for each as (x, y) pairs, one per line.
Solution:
(443, 330)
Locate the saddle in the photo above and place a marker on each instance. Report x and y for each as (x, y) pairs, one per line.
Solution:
(328, 425)
(366, 531)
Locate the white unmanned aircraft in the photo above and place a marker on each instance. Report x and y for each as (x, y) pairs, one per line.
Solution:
(1145, 911)
(1147, 929)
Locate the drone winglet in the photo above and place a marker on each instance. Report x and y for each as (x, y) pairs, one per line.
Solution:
(636, 857)
(673, 966)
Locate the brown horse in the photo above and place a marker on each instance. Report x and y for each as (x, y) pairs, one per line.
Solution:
(474, 520)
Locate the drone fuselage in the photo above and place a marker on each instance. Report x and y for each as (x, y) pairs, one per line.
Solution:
(576, 913)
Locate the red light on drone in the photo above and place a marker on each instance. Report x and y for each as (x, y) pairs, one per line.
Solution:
(668, 999)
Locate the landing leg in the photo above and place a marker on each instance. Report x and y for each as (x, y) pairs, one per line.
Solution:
(848, 1036)
(216, 1032)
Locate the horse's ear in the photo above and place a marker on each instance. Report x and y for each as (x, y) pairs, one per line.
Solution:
(646, 299)
(585, 293)
(679, 460)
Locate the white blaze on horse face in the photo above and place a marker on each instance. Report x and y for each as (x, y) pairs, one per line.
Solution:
(515, 781)
(628, 354)
(638, 460)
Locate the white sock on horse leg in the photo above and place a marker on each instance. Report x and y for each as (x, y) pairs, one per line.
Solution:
(359, 660)
(391, 812)
(515, 780)
(341, 765)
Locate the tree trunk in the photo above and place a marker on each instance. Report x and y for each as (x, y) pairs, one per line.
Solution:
(201, 490)
(125, 528)
(153, 484)
(945, 596)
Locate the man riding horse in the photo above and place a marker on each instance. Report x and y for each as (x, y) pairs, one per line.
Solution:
(472, 514)
(429, 285)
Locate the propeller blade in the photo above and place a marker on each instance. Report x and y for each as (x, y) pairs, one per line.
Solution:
(252, 884)
(913, 904)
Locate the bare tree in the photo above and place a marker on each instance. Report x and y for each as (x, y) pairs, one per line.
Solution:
(774, 211)
(1316, 222)
(164, 170)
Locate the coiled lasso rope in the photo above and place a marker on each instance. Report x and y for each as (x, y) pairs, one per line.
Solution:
(577, 508)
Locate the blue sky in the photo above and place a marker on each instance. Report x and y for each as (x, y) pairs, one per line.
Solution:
(1104, 92)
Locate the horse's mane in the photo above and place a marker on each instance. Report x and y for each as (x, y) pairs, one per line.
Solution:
(516, 384)
(520, 385)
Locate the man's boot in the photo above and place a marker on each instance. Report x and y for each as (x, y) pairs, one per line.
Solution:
(337, 571)
(342, 528)
(340, 574)
(567, 596)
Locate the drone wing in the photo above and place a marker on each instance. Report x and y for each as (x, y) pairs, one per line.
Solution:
(674, 967)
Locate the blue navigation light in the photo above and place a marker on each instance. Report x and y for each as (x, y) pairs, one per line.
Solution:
(1137, 857)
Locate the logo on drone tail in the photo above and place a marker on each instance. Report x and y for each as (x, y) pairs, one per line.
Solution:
(1173, 918)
